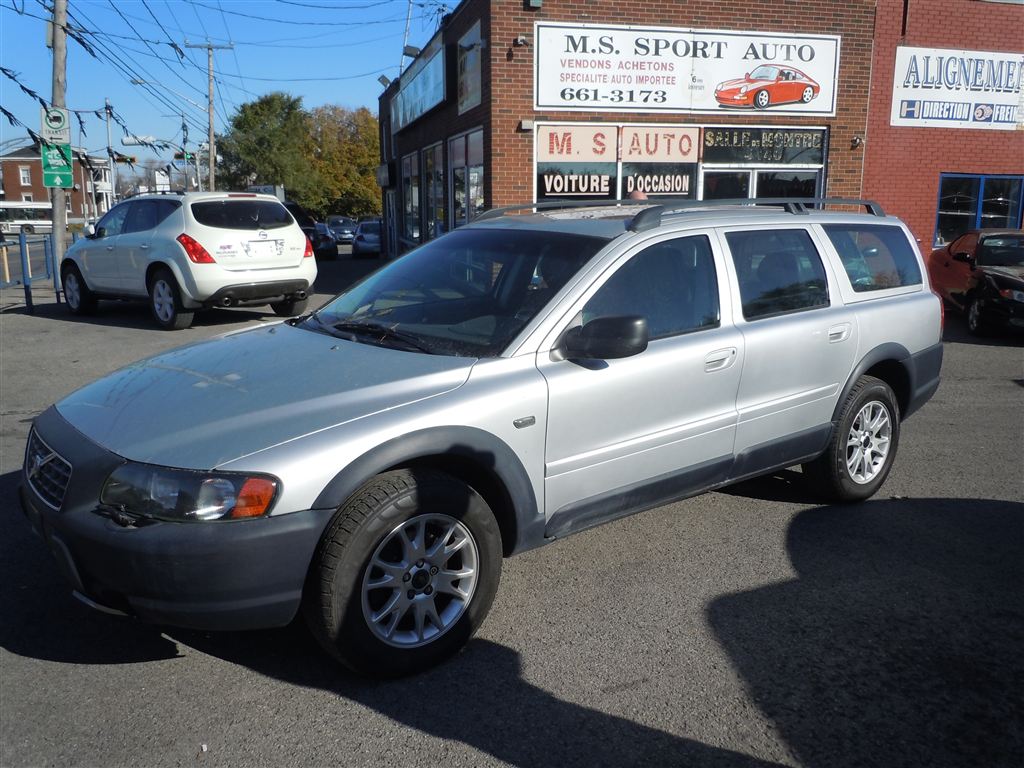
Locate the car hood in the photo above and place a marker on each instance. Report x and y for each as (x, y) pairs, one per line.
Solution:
(740, 81)
(208, 403)
(1011, 274)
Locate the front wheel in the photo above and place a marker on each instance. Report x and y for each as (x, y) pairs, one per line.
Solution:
(761, 99)
(77, 296)
(404, 574)
(863, 445)
(165, 302)
(975, 319)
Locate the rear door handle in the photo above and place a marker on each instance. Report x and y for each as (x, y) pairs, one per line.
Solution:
(719, 360)
(838, 333)
(144, 247)
(110, 247)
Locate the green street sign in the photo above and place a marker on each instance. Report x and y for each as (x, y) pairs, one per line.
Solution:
(57, 168)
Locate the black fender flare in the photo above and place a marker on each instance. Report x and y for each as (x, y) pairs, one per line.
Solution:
(890, 350)
(488, 452)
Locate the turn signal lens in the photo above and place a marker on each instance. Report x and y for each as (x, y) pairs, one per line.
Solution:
(254, 498)
(308, 253)
(196, 253)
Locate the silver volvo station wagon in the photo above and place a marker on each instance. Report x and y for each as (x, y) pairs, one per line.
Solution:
(533, 374)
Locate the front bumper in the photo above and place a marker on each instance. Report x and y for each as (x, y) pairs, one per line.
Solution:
(1008, 313)
(244, 574)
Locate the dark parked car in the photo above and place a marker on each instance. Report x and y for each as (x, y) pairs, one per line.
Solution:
(367, 240)
(342, 227)
(982, 273)
(319, 236)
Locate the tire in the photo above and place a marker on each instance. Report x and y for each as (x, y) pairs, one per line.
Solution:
(807, 95)
(762, 99)
(976, 325)
(165, 302)
(77, 296)
(348, 592)
(290, 307)
(843, 473)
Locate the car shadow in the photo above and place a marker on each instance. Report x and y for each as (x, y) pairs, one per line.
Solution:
(900, 640)
(785, 485)
(136, 314)
(955, 331)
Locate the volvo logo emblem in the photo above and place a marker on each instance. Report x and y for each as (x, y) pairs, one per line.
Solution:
(38, 462)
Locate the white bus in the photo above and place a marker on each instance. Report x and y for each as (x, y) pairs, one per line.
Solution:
(34, 218)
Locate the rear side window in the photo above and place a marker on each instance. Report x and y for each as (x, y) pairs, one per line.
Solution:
(874, 257)
(779, 271)
(241, 214)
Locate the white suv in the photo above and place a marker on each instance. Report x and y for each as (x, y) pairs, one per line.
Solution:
(190, 251)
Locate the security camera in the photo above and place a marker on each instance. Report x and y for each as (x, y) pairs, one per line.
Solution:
(520, 41)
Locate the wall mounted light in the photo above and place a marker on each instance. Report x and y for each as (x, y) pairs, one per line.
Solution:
(411, 51)
(526, 126)
(520, 41)
(856, 141)
(384, 80)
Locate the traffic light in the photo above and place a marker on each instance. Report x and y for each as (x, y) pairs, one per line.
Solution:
(184, 156)
(128, 159)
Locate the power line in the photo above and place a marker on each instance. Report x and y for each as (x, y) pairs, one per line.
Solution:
(302, 23)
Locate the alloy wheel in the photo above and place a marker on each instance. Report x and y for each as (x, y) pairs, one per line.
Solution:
(420, 580)
(867, 445)
(163, 301)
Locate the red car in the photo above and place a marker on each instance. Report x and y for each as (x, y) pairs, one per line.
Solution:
(767, 85)
(982, 273)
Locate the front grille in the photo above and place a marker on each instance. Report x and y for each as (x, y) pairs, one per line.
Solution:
(46, 470)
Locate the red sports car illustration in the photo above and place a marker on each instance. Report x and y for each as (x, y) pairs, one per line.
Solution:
(765, 86)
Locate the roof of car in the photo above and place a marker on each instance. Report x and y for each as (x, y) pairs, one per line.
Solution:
(617, 217)
(194, 197)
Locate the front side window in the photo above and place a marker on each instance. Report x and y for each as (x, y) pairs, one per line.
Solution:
(673, 284)
(468, 293)
(779, 272)
(113, 222)
(874, 257)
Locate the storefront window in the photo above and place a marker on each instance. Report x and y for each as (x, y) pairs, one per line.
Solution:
(976, 202)
(721, 185)
(433, 181)
(411, 197)
(466, 159)
(787, 184)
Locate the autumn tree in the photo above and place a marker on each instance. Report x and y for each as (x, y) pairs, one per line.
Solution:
(347, 153)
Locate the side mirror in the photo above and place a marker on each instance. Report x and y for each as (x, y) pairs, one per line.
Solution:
(606, 338)
(89, 230)
(964, 256)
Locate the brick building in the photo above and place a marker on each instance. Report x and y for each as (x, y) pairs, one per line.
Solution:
(21, 180)
(516, 101)
(944, 173)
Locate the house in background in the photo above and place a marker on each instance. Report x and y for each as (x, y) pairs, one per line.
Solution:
(21, 180)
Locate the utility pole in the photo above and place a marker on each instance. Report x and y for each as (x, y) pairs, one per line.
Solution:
(60, 80)
(212, 147)
(110, 154)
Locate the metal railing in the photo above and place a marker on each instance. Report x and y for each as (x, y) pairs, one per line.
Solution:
(29, 260)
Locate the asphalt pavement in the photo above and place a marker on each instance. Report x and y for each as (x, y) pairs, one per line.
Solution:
(746, 627)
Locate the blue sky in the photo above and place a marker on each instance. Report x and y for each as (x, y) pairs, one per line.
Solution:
(326, 51)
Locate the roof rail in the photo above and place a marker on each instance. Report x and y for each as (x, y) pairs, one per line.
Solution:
(650, 218)
(555, 205)
(154, 192)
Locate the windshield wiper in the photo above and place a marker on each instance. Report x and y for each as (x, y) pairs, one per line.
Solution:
(380, 332)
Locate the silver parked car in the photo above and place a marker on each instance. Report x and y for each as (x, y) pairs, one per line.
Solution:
(513, 382)
(367, 238)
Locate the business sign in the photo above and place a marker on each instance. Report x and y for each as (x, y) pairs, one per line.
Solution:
(576, 161)
(55, 125)
(598, 68)
(939, 88)
(422, 86)
(775, 146)
(659, 160)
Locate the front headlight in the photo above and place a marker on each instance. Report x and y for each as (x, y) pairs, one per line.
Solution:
(186, 495)
(743, 89)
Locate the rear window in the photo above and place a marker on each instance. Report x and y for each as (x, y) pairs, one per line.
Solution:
(874, 257)
(241, 214)
(370, 229)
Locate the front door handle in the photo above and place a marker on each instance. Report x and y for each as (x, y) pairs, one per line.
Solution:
(719, 360)
(839, 333)
(110, 247)
(144, 247)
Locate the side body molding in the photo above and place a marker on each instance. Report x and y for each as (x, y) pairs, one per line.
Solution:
(486, 452)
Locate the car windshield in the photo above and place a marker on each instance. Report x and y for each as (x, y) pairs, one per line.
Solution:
(241, 214)
(335, 221)
(764, 73)
(468, 293)
(1001, 251)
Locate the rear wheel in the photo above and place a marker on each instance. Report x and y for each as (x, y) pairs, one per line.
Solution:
(807, 95)
(975, 318)
(863, 445)
(165, 302)
(290, 307)
(404, 574)
(79, 298)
